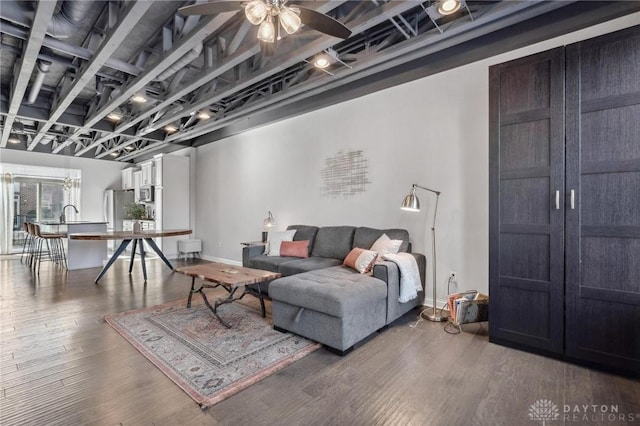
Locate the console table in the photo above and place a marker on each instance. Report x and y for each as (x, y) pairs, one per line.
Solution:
(127, 237)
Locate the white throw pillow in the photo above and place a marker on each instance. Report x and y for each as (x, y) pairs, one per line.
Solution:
(274, 238)
(385, 245)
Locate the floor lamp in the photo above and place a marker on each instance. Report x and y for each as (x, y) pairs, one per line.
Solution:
(412, 204)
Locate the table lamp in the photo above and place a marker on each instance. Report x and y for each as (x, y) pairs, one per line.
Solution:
(267, 225)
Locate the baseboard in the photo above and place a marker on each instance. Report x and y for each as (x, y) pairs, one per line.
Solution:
(441, 303)
(221, 260)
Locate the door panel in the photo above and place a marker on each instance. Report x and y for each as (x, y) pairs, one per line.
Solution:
(599, 252)
(525, 256)
(521, 327)
(520, 145)
(603, 170)
(526, 274)
(525, 87)
(611, 134)
(524, 201)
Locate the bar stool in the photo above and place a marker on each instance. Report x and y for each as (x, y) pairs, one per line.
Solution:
(26, 247)
(55, 249)
(33, 242)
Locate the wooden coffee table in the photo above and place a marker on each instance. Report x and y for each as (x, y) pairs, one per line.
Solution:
(234, 279)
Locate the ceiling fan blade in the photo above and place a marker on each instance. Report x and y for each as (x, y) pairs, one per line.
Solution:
(212, 8)
(323, 23)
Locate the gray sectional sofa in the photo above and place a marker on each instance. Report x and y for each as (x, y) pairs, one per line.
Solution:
(321, 299)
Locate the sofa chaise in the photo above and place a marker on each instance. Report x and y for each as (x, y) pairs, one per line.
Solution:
(321, 299)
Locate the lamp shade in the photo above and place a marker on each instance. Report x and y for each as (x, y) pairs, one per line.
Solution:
(266, 31)
(256, 11)
(411, 202)
(289, 20)
(269, 223)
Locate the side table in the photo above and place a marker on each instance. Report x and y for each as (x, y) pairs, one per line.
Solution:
(253, 243)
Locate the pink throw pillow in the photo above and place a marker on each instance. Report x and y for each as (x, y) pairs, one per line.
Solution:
(361, 260)
(294, 248)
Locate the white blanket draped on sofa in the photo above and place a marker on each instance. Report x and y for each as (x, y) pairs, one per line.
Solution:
(409, 275)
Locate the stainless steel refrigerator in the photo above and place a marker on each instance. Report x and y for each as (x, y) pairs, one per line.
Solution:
(114, 203)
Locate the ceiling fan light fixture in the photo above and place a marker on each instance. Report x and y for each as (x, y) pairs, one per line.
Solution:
(447, 7)
(289, 20)
(256, 11)
(267, 31)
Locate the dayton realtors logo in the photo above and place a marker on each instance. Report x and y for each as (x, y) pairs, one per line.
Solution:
(545, 410)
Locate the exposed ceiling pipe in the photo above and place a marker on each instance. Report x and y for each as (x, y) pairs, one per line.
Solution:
(180, 63)
(69, 16)
(42, 69)
(69, 19)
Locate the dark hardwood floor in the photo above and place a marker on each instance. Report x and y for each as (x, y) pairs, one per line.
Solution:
(61, 364)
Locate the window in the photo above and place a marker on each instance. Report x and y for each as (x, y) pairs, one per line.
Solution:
(33, 194)
(38, 199)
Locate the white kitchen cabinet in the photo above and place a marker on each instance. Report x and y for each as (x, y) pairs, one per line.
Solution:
(127, 178)
(147, 177)
(157, 164)
(137, 180)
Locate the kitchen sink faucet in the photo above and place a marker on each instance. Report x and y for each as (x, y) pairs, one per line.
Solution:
(63, 218)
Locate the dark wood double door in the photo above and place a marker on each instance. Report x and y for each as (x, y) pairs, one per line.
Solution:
(565, 201)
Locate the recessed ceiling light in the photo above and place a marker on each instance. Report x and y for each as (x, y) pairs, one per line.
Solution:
(447, 7)
(13, 139)
(138, 98)
(170, 128)
(128, 148)
(322, 61)
(204, 115)
(114, 116)
(114, 154)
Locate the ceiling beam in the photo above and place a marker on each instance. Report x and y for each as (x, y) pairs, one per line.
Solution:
(207, 26)
(504, 15)
(44, 12)
(65, 48)
(119, 32)
(571, 18)
(234, 59)
(288, 58)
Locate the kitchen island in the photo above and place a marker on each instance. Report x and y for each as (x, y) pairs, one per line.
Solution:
(80, 253)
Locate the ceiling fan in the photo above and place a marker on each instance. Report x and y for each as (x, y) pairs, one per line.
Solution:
(268, 13)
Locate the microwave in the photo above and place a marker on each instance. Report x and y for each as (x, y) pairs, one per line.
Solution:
(146, 194)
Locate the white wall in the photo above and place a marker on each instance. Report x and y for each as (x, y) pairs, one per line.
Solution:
(97, 175)
(432, 131)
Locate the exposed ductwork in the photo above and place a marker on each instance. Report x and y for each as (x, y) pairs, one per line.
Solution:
(70, 18)
(42, 68)
(180, 63)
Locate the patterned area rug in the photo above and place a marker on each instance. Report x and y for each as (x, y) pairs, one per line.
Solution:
(207, 360)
